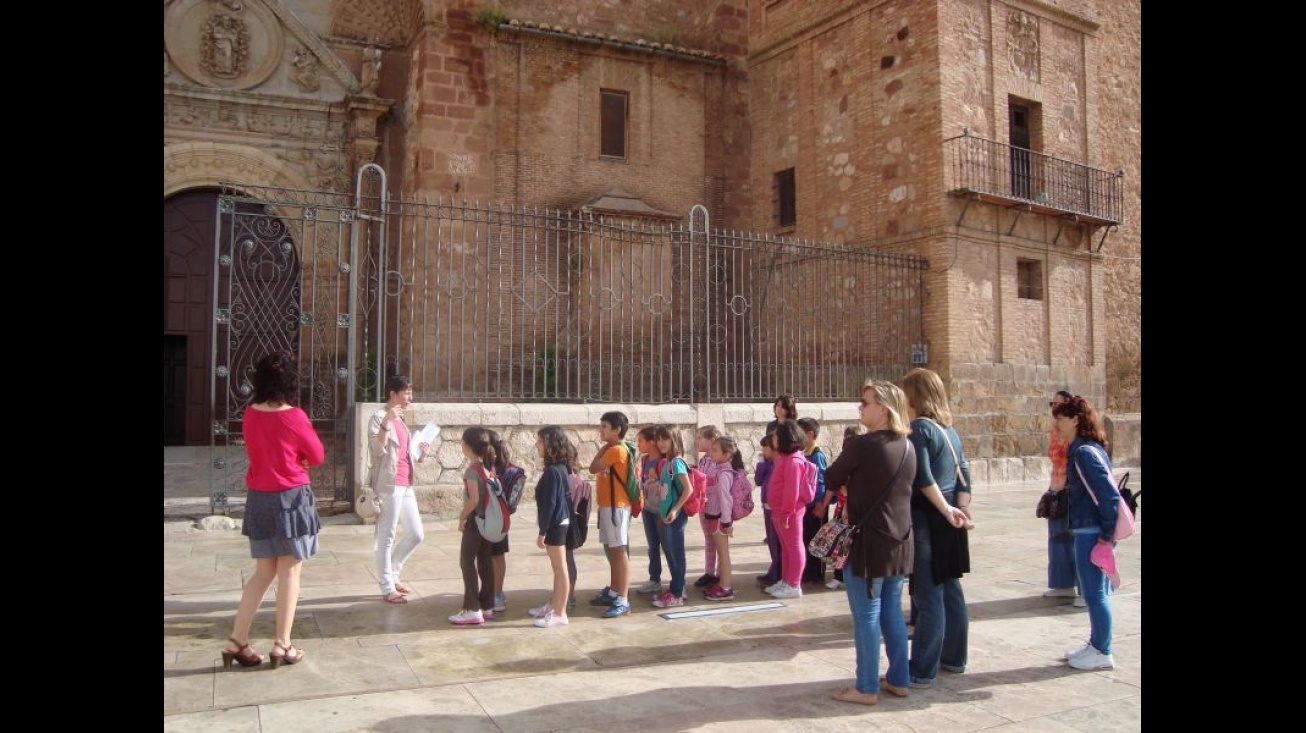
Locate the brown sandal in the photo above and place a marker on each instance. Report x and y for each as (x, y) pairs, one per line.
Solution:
(244, 655)
(289, 655)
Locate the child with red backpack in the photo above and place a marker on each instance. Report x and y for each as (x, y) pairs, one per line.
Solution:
(719, 515)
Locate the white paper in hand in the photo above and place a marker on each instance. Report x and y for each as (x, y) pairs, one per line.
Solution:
(428, 435)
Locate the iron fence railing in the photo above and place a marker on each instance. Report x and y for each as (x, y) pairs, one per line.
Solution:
(977, 165)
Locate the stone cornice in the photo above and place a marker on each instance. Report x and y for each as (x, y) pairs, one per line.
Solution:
(252, 99)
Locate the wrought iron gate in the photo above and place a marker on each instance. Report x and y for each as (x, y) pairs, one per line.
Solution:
(496, 303)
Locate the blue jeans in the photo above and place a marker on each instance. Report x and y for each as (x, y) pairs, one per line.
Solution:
(672, 538)
(873, 617)
(941, 636)
(1095, 587)
(1061, 554)
(651, 536)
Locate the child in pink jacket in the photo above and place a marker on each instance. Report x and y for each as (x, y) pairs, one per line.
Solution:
(788, 505)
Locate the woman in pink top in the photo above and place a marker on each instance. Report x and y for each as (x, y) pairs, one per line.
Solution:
(281, 517)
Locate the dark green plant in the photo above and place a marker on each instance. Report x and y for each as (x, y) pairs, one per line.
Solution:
(365, 384)
(546, 374)
(491, 18)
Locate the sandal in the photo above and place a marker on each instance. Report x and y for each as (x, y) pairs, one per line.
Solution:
(850, 694)
(395, 597)
(894, 690)
(289, 654)
(243, 654)
(402, 588)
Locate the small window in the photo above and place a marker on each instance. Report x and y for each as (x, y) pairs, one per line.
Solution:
(1029, 279)
(613, 107)
(786, 204)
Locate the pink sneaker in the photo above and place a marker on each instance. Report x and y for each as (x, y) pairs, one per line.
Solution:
(717, 593)
(668, 600)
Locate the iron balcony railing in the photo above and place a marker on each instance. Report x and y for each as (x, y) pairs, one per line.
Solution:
(1004, 173)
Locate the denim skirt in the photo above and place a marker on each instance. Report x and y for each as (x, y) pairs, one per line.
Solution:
(281, 523)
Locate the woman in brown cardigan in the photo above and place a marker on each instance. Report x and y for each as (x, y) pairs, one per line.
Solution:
(878, 468)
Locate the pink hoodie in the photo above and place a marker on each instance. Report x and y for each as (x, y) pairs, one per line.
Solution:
(782, 487)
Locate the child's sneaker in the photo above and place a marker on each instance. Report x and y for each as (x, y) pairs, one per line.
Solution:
(650, 586)
(786, 591)
(668, 600)
(467, 618)
(500, 602)
(550, 619)
(538, 610)
(706, 580)
(834, 584)
(617, 609)
(488, 614)
(605, 597)
(717, 593)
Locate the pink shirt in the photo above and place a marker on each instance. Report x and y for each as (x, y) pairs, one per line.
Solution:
(278, 444)
(782, 487)
(404, 466)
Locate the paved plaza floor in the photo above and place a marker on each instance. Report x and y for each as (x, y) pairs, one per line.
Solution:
(374, 666)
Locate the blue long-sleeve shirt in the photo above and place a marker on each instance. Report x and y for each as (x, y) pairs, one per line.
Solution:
(552, 506)
(817, 456)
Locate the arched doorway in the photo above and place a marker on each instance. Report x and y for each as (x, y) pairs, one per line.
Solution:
(257, 308)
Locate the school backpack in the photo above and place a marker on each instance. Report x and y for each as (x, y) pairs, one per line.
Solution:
(514, 483)
(497, 518)
(807, 483)
(631, 482)
(698, 491)
(741, 495)
(578, 524)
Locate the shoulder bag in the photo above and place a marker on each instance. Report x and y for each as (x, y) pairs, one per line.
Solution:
(834, 540)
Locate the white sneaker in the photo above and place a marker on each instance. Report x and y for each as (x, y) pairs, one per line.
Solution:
(772, 588)
(538, 610)
(834, 584)
(787, 591)
(1092, 659)
(1076, 652)
(1079, 602)
(467, 618)
(649, 586)
(500, 602)
(549, 619)
(1060, 593)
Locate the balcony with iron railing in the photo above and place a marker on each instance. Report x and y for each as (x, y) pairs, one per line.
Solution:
(1002, 174)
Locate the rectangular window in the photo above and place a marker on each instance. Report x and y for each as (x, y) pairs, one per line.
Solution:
(613, 107)
(1029, 279)
(786, 201)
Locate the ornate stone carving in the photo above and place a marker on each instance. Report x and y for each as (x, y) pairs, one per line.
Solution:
(370, 74)
(304, 72)
(224, 46)
(212, 114)
(231, 44)
(1022, 43)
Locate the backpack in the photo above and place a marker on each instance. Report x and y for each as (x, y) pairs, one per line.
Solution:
(514, 482)
(632, 480)
(496, 521)
(741, 495)
(578, 524)
(698, 493)
(807, 484)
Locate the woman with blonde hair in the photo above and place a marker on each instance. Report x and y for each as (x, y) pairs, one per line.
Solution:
(940, 519)
(878, 469)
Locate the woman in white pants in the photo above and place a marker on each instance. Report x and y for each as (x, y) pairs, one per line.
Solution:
(392, 480)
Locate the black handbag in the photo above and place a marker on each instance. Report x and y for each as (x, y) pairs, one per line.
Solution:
(1051, 505)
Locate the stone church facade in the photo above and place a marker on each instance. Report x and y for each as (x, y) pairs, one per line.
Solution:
(999, 140)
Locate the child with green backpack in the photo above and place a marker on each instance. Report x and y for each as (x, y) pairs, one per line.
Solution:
(613, 468)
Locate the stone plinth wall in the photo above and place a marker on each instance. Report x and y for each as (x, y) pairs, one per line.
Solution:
(439, 477)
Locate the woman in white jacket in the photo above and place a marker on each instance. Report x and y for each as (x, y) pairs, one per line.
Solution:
(392, 480)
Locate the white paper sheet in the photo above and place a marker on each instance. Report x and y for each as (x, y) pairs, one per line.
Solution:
(428, 435)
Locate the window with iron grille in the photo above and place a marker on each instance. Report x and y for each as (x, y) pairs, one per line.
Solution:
(613, 108)
(786, 202)
(1029, 279)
